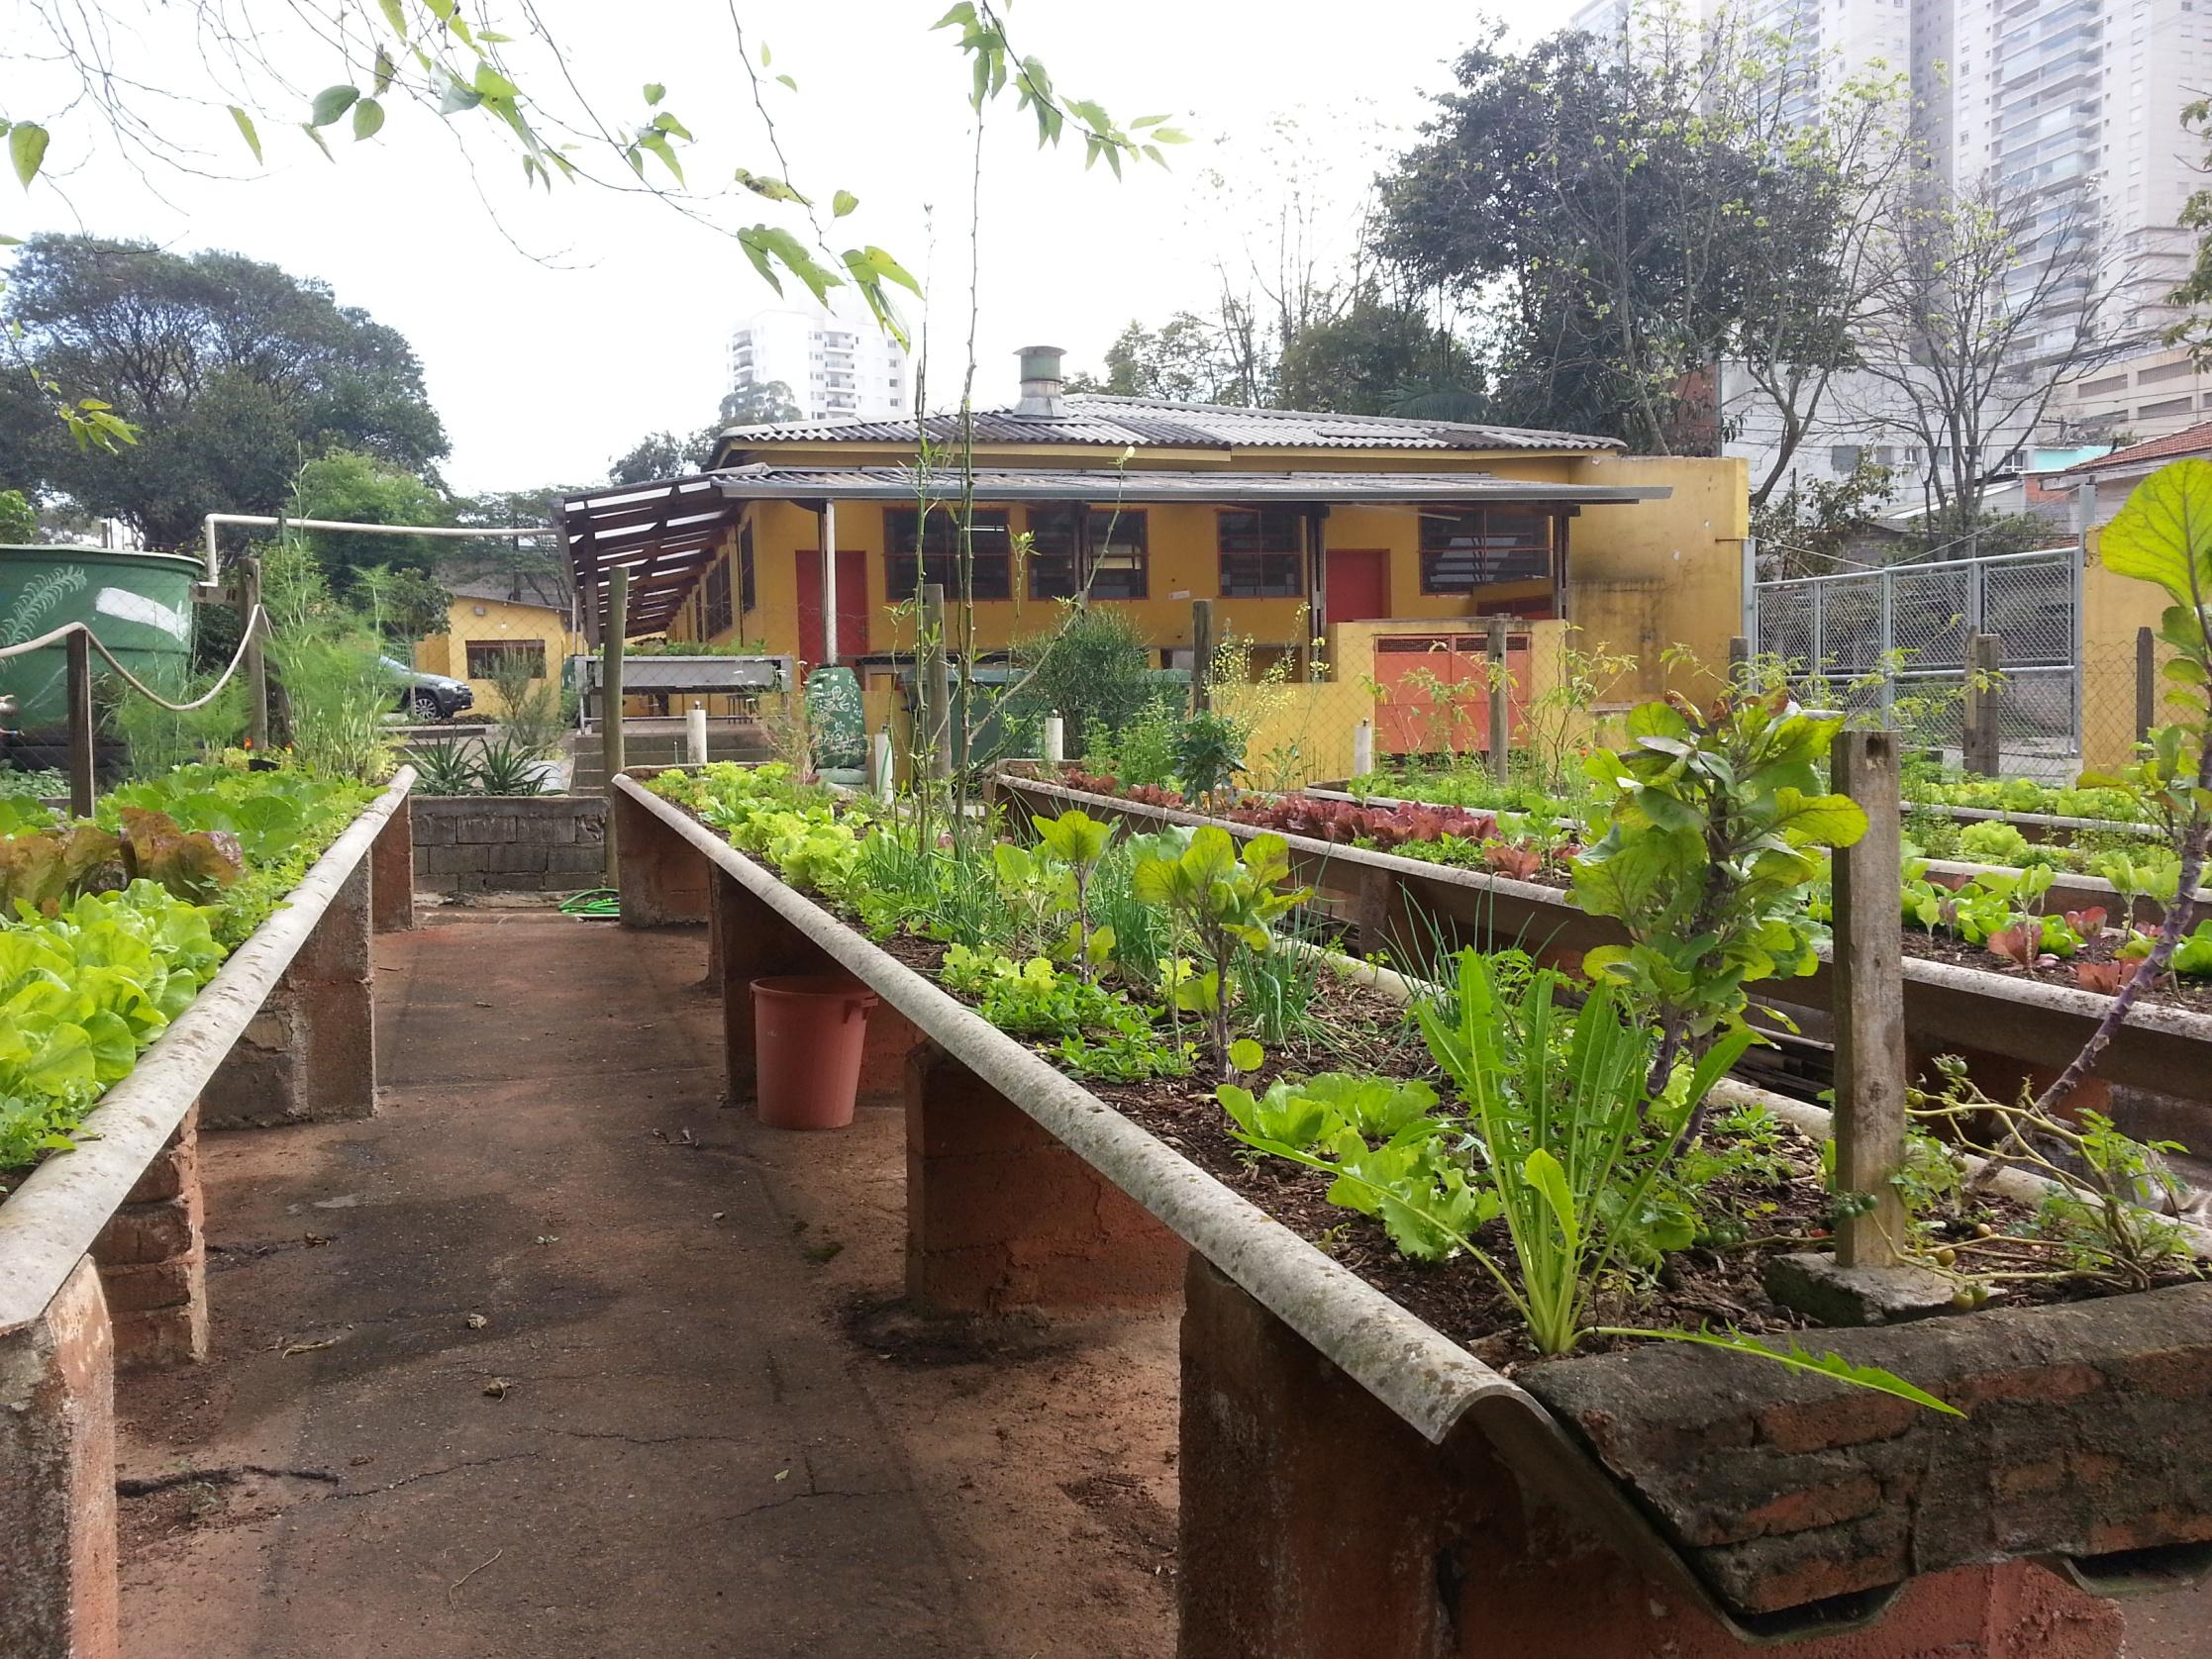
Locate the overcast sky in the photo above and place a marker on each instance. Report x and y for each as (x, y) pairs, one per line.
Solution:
(556, 330)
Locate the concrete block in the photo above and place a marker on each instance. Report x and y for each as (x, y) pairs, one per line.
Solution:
(1833, 1294)
(515, 855)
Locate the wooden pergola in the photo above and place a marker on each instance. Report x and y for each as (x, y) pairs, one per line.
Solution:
(663, 533)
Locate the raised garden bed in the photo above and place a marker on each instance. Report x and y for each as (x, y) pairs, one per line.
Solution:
(102, 1264)
(1774, 1502)
(1397, 904)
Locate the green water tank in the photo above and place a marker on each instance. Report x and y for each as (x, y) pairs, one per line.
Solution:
(140, 605)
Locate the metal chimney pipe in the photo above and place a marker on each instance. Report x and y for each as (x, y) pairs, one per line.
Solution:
(1042, 385)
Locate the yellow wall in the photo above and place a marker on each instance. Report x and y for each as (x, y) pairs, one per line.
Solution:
(1640, 577)
(1661, 573)
(2113, 610)
(448, 652)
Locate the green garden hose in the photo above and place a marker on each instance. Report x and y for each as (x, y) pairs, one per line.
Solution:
(593, 901)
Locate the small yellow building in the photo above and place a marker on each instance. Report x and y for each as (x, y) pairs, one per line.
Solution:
(524, 613)
(1294, 525)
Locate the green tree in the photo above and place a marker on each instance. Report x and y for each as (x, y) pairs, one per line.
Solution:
(19, 520)
(230, 369)
(1631, 217)
(662, 454)
(1380, 357)
(2195, 291)
(758, 406)
(359, 489)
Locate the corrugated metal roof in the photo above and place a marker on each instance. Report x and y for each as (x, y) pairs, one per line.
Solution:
(762, 482)
(1095, 417)
(2189, 440)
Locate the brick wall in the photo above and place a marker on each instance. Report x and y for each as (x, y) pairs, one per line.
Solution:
(505, 844)
(152, 1260)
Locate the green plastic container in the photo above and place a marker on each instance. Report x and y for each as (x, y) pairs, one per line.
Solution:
(140, 605)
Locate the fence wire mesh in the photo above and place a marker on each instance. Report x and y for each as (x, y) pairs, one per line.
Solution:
(1894, 642)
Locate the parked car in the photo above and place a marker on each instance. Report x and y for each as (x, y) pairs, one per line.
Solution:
(428, 696)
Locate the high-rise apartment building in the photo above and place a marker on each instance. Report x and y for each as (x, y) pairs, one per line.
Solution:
(834, 369)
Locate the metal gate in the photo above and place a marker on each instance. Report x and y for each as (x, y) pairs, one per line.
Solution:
(1894, 640)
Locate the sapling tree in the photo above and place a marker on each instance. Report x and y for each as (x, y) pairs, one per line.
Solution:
(1079, 841)
(1228, 902)
(1719, 825)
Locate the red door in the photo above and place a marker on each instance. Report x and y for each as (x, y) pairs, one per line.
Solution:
(853, 603)
(1359, 584)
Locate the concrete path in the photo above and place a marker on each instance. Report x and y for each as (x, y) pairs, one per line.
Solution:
(556, 1358)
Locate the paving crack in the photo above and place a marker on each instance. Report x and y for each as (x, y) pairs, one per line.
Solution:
(432, 1474)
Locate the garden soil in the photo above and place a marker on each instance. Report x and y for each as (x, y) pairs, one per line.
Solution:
(558, 1357)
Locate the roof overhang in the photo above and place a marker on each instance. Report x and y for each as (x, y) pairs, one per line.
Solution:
(762, 482)
(664, 532)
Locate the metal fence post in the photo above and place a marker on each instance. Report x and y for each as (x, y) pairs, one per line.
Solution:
(80, 722)
(257, 662)
(1502, 705)
(2146, 682)
(2076, 571)
(1885, 664)
(609, 711)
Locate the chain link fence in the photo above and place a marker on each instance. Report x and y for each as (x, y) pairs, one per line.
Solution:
(1895, 643)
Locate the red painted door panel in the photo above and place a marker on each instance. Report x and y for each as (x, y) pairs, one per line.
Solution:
(1436, 692)
(853, 603)
(1359, 584)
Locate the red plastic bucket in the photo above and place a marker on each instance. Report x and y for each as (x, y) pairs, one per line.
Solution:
(808, 1030)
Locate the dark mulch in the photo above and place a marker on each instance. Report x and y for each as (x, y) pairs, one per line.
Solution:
(2192, 994)
(1701, 1287)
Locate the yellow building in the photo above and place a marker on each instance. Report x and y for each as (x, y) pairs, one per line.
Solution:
(1292, 524)
(525, 614)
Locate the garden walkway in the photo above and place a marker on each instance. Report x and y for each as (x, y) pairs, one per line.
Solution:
(556, 1358)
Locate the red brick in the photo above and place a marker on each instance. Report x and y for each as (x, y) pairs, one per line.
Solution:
(148, 1232)
(2172, 1375)
(2054, 1385)
(2149, 1530)
(138, 1288)
(162, 1338)
(177, 1169)
(1850, 1419)
(1819, 1506)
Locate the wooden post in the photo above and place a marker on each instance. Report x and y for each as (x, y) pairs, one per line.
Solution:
(1501, 703)
(610, 705)
(2146, 682)
(1362, 748)
(80, 723)
(1870, 1063)
(1201, 655)
(257, 663)
(937, 684)
(1983, 751)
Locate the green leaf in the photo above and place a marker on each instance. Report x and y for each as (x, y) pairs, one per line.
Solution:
(842, 202)
(789, 82)
(247, 131)
(1246, 1055)
(1543, 1172)
(1799, 1359)
(27, 151)
(654, 92)
(2164, 533)
(394, 16)
(331, 103)
(1818, 820)
(318, 143)
(369, 117)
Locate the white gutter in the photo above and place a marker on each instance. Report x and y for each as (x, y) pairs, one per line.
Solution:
(461, 531)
